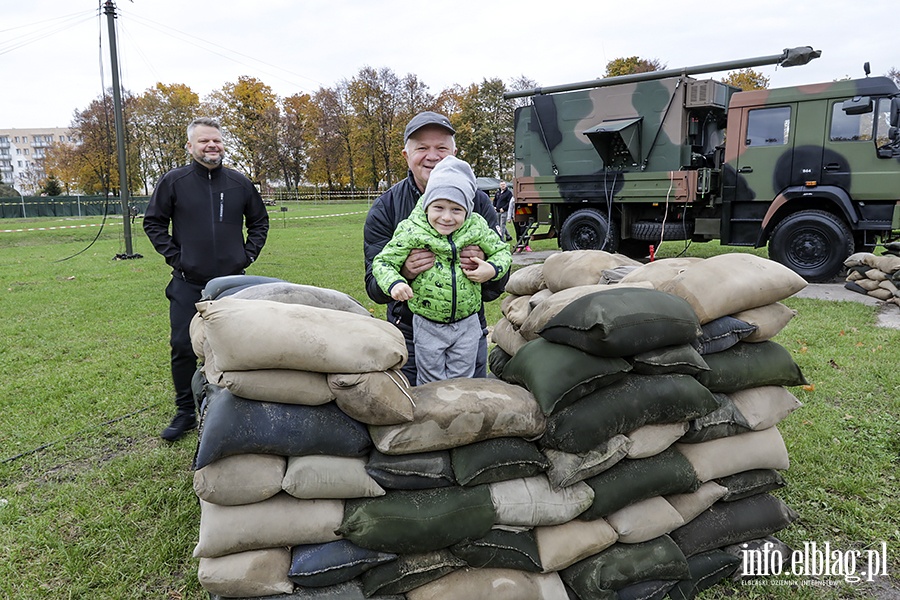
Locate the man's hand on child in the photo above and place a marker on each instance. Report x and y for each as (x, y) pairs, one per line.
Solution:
(467, 254)
(418, 261)
(484, 271)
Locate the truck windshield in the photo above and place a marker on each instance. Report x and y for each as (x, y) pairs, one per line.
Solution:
(864, 127)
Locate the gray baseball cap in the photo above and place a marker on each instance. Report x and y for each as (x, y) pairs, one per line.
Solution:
(426, 118)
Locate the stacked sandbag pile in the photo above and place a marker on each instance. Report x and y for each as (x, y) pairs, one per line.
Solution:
(875, 276)
(662, 392)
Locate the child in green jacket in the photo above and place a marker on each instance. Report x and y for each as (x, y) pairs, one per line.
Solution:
(445, 299)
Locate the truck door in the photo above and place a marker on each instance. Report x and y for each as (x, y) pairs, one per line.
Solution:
(765, 158)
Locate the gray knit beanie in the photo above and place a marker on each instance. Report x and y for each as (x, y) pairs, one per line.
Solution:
(451, 179)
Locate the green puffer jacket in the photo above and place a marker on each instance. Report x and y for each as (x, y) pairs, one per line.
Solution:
(442, 293)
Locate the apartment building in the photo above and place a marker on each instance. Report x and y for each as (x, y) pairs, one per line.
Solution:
(22, 154)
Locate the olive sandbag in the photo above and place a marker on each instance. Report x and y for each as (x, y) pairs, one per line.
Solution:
(669, 359)
(564, 545)
(748, 483)
(218, 286)
(567, 468)
(251, 573)
(233, 425)
(416, 471)
(622, 565)
(320, 565)
(497, 459)
(747, 365)
(497, 360)
(646, 590)
(624, 406)
(564, 270)
(505, 335)
(310, 295)
(501, 549)
(240, 479)
(726, 420)
(455, 412)
(550, 306)
(532, 502)
(669, 472)
(769, 320)
(376, 398)
(558, 375)
(411, 521)
(721, 334)
(736, 453)
(726, 523)
(623, 322)
(261, 334)
(492, 584)
(728, 283)
(706, 570)
(526, 281)
(409, 571)
(282, 520)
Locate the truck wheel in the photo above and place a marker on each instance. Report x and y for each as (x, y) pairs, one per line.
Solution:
(812, 243)
(587, 229)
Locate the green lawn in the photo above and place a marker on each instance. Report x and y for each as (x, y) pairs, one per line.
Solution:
(94, 505)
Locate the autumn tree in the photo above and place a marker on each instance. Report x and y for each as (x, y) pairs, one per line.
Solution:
(296, 136)
(631, 65)
(373, 97)
(328, 162)
(747, 79)
(894, 74)
(484, 132)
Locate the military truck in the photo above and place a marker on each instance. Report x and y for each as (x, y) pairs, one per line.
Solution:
(623, 163)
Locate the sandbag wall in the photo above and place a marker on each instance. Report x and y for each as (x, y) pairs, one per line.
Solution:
(662, 390)
(875, 276)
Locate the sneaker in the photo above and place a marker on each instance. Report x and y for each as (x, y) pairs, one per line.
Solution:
(181, 424)
(527, 248)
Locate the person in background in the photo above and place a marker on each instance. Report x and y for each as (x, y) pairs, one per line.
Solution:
(502, 203)
(427, 139)
(446, 298)
(195, 220)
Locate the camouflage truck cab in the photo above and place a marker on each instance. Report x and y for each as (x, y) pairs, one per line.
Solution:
(626, 162)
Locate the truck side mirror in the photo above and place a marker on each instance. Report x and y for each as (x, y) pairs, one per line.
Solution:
(858, 105)
(895, 112)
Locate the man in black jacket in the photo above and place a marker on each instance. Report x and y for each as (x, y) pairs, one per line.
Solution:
(428, 138)
(206, 205)
(502, 200)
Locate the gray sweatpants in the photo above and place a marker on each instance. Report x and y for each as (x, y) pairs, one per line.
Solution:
(445, 350)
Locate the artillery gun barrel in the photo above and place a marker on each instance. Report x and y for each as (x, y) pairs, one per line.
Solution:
(788, 58)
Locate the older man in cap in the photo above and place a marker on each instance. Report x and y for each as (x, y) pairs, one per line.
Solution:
(428, 138)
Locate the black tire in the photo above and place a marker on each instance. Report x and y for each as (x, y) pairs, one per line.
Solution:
(636, 249)
(813, 244)
(652, 231)
(588, 229)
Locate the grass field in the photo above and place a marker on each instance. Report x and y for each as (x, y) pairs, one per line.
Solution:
(94, 505)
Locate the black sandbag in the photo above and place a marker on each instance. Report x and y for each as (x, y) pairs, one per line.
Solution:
(726, 523)
(623, 322)
(331, 563)
(223, 286)
(622, 565)
(721, 334)
(706, 569)
(416, 471)
(725, 421)
(749, 365)
(501, 549)
(497, 359)
(669, 359)
(646, 590)
(630, 480)
(498, 459)
(624, 406)
(233, 425)
(748, 483)
(409, 571)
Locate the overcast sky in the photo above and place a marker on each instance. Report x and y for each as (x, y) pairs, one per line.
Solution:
(54, 54)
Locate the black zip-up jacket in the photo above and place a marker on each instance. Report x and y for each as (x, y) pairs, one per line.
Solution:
(206, 209)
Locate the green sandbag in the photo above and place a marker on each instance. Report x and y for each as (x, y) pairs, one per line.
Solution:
(497, 360)
(749, 483)
(408, 522)
(501, 549)
(725, 421)
(624, 406)
(749, 365)
(558, 375)
(670, 359)
(706, 570)
(497, 459)
(623, 322)
(409, 571)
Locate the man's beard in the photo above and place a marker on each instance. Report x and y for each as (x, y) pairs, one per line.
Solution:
(213, 162)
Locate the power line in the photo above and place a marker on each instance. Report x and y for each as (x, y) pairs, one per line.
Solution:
(45, 29)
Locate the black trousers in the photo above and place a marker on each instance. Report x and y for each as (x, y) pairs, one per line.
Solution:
(182, 295)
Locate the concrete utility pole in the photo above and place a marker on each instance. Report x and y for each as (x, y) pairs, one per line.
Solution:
(110, 10)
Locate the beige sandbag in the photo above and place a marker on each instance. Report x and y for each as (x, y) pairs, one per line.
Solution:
(240, 479)
(516, 308)
(245, 574)
(539, 296)
(644, 520)
(659, 271)
(261, 334)
(550, 307)
(867, 284)
(889, 286)
(858, 259)
(769, 320)
(286, 386)
(313, 476)
(877, 275)
(198, 335)
(564, 270)
(282, 520)
(567, 468)
(377, 398)
(728, 283)
(309, 295)
(690, 505)
(737, 453)
(505, 335)
(561, 546)
(766, 406)
(492, 584)
(456, 412)
(526, 281)
(881, 293)
(532, 502)
(650, 440)
(887, 263)
(856, 275)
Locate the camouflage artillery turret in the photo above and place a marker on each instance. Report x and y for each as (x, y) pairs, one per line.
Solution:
(625, 162)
